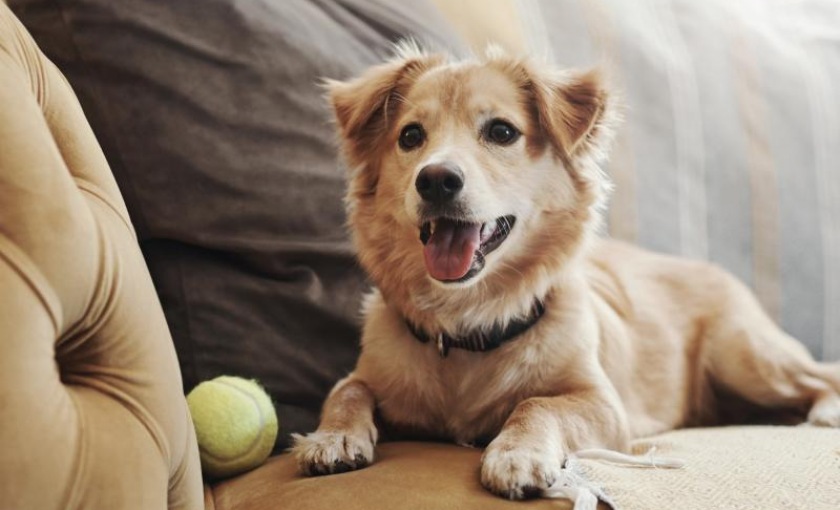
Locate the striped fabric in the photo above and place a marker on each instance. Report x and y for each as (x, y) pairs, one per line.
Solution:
(731, 147)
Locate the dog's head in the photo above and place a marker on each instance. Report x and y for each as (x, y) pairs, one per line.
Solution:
(470, 176)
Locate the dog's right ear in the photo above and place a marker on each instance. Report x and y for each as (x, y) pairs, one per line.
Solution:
(364, 106)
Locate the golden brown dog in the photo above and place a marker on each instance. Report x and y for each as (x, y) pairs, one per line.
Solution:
(475, 194)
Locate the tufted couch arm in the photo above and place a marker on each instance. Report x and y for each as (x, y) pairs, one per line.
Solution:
(93, 413)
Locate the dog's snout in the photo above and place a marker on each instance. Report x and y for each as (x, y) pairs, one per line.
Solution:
(439, 183)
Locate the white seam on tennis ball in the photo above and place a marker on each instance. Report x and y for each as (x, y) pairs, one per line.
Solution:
(256, 441)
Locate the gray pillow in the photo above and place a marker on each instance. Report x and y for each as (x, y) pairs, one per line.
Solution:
(730, 150)
(213, 123)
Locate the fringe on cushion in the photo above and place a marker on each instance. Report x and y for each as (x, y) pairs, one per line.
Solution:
(574, 486)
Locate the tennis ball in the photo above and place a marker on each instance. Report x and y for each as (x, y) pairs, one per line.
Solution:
(235, 424)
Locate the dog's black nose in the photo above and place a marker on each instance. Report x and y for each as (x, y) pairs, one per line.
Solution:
(439, 183)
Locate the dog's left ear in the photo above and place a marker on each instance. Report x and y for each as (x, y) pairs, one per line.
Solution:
(576, 112)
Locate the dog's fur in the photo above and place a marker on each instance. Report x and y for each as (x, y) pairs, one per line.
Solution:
(631, 343)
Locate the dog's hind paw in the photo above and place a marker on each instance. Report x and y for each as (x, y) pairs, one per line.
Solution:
(325, 453)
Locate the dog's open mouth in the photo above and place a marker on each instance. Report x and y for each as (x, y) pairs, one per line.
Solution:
(454, 250)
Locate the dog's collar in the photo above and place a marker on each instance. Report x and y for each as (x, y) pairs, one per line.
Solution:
(479, 340)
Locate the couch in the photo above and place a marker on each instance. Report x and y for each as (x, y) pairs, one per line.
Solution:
(195, 228)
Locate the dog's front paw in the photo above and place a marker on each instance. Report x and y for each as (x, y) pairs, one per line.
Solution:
(325, 453)
(519, 472)
(826, 411)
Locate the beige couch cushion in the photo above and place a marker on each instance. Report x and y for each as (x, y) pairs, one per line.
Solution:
(731, 468)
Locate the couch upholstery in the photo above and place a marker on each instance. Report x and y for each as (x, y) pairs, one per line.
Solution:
(104, 424)
(93, 414)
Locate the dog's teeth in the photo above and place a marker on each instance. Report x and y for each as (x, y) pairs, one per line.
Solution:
(432, 226)
(487, 230)
(425, 233)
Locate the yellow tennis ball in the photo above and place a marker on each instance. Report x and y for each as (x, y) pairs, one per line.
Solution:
(235, 423)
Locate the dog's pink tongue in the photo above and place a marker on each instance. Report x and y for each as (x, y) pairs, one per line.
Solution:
(449, 251)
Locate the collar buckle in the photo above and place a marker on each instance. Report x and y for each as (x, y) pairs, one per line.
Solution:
(442, 345)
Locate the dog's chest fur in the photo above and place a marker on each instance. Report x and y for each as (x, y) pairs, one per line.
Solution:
(465, 396)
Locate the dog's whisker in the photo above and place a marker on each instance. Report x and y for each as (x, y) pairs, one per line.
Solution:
(512, 268)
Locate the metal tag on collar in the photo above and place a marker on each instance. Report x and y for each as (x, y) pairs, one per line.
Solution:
(442, 345)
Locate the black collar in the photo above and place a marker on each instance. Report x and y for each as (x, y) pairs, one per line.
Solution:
(479, 340)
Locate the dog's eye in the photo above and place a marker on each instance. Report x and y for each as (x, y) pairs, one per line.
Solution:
(411, 136)
(501, 132)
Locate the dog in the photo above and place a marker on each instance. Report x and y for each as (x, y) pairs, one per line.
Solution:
(499, 316)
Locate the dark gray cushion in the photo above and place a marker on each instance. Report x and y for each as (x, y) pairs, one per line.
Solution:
(213, 123)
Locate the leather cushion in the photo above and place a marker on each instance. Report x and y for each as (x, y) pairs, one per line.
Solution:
(94, 414)
(405, 475)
